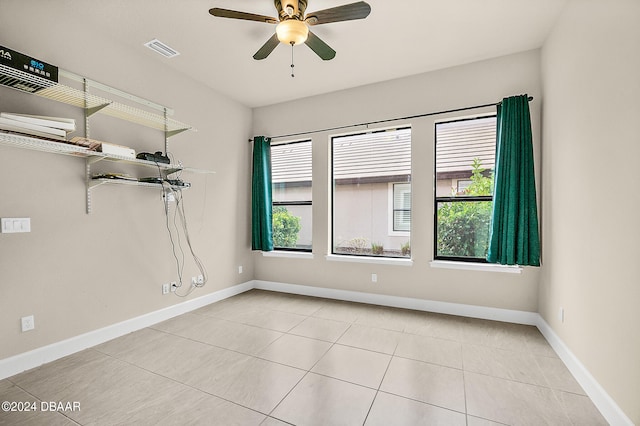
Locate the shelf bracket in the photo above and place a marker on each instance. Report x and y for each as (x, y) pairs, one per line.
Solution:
(93, 183)
(169, 133)
(94, 159)
(90, 111)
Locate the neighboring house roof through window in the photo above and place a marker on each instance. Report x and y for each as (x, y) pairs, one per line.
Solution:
(459, 142)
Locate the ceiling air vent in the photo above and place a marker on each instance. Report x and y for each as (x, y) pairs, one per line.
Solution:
(161, 48)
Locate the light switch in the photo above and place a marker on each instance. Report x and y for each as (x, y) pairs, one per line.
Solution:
(7, 225)
(12, 225)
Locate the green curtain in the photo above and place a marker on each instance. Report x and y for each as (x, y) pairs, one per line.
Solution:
(261, 226)
(514, 236)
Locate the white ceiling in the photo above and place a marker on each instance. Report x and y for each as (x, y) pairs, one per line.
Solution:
(399, 38)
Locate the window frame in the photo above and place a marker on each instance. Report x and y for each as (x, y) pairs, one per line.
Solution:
(455, 199)
(392, 210)
(332, 184)
(294, 203)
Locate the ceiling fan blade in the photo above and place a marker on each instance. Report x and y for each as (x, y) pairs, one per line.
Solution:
(225, 13)
(321, 48)
(348, 12)
(267, 48)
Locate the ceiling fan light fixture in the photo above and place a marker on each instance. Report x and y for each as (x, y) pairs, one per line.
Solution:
(292, 31)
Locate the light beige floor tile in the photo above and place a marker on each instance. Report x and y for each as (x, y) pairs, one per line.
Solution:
(536, 344)
(30, 410)
(225, 334)
(319, 400)
(430, 349)
(510, 402)
(390, 409)
(270, 421)
(120, 346)
(383, 317)
(73, 375)
(185, 322)
(201, 409)
(434, 325)
(227, 309)
(373, 339)
(113, 392)
(184, 360)
(295, 351)
(319, 328)
(580, 410)
(254, 383)
(497, 334)
(477, 421)
(211, 371)
(353, 365)
(340, 311)
(301, 305)
(505, 364)
(199, 368)
(433, 384)
(558, 375)
(270, 319)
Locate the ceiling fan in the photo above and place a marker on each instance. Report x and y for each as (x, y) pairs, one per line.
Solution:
(293, 25)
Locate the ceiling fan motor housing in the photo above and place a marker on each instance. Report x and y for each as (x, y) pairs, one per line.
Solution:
(299, 7)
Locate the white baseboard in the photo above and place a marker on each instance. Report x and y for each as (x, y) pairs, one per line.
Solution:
(483, 312)
(607, 406)
(601, 399)
(27, 360)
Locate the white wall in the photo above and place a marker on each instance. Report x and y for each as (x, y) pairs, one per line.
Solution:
(474, 84)
(77, 272)
(591, 111)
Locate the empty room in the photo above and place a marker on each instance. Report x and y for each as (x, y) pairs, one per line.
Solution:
(319, 212)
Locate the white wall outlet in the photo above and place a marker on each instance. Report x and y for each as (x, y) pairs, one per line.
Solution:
(374, 278)
(240, 269)
(174, 286)
(200, 279)
(28, 323)
(561, 314)
(165, 288)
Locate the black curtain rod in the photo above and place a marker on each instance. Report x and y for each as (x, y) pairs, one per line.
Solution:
(331, 129)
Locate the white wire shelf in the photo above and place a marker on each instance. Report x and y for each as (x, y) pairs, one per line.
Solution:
(101, 181)
(93, 103)
(45, 145)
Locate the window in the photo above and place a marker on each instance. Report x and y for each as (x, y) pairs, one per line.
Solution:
(400, 204)
(291, 187)
(371, 193)
(465, 159)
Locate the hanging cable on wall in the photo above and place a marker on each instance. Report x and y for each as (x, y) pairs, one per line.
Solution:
(180, 226)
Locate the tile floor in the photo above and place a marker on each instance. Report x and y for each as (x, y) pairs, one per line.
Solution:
(263, 358)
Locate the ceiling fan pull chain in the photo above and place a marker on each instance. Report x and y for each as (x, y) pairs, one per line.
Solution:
(292, 75)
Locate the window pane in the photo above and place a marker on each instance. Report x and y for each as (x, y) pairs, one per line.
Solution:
(402, 207)
(463, 228)
(291, 186)
(292, 226)
(364, 212)
(465, 149)
(465, 161)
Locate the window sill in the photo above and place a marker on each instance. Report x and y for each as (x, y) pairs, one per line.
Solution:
(288, 254)
(369, 259)
(446, 264)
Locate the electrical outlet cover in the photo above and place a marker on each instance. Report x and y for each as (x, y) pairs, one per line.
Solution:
(28, 323)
